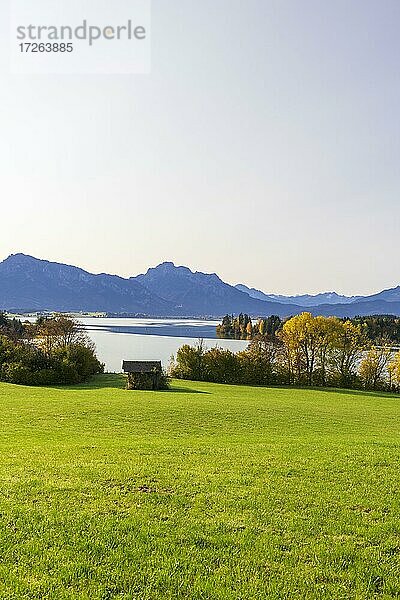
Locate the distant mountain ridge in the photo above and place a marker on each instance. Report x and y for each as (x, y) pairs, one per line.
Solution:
(28, 283)
(31, 284)
(301, 300)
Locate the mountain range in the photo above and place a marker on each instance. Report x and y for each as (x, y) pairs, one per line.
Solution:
(306, 300)
(29, 284)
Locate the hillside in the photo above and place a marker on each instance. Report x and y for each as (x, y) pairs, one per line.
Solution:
(205, 491)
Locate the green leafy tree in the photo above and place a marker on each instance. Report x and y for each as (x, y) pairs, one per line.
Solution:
(189, 362)
(53, 351)
(221, 366)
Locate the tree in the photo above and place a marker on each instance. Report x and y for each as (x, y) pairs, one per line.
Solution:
(374, 367)
(394, 371)
(12, 328)
(221, 366)
(242, 328)
(258, 362)
(52, 351)
(319, 350)
(189, 362)
(238, 328)
(57, 332)
(349, 344)
(301, 340)
(306, 350)
(225, 330)
(262, 327)
(325, 329)
(379, 327)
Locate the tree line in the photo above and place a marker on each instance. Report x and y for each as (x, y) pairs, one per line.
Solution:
(304, 351)
(51, 351)
(243, 328)
(375, 327)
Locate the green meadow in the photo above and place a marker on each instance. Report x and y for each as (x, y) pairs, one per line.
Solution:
(202, 492)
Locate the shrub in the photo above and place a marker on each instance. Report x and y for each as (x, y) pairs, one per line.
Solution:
(60, 360)
(76, 363)
(189, 362)
(221, 366)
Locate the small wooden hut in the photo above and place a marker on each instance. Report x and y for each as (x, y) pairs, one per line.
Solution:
(143, 374)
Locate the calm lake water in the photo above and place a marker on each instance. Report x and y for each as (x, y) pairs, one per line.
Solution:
(150, 339)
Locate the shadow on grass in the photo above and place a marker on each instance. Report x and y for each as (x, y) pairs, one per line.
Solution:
(117, 381)
(355, 392)
(98, 382)
(185, 390)
(330, 390)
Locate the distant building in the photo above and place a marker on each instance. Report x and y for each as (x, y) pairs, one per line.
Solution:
(143, 375)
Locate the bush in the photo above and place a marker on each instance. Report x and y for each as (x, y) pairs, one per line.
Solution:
(77, 363)
(58, 361)
(189, 363)
(221, 366)
(310, 351)
(254, 366)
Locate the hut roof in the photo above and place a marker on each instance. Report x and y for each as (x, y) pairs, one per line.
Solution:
(141, 366)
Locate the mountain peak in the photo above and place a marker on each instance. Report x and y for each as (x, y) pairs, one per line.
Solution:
(19, 260)
(169, 268)
(19, 256)
(166, 265)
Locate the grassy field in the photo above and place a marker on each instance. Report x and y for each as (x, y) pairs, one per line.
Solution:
(203, 492)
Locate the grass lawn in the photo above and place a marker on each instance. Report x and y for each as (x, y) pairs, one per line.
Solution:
(203, 492)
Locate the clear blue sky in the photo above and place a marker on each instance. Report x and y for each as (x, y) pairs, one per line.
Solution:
(265, 146)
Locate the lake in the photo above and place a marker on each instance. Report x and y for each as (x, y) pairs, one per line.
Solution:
(150, 339)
